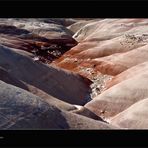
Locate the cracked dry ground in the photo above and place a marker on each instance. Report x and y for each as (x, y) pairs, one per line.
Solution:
(73, 73)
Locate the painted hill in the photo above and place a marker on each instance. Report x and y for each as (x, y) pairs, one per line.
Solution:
(77, 73)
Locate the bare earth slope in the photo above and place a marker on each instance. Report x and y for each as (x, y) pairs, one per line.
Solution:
(135, 117)
(23, 110)
(46, 78)
(114, 52)
(91, 71)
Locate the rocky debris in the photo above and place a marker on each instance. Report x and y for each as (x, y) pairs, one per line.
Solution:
(134, 117)
(98, 84)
